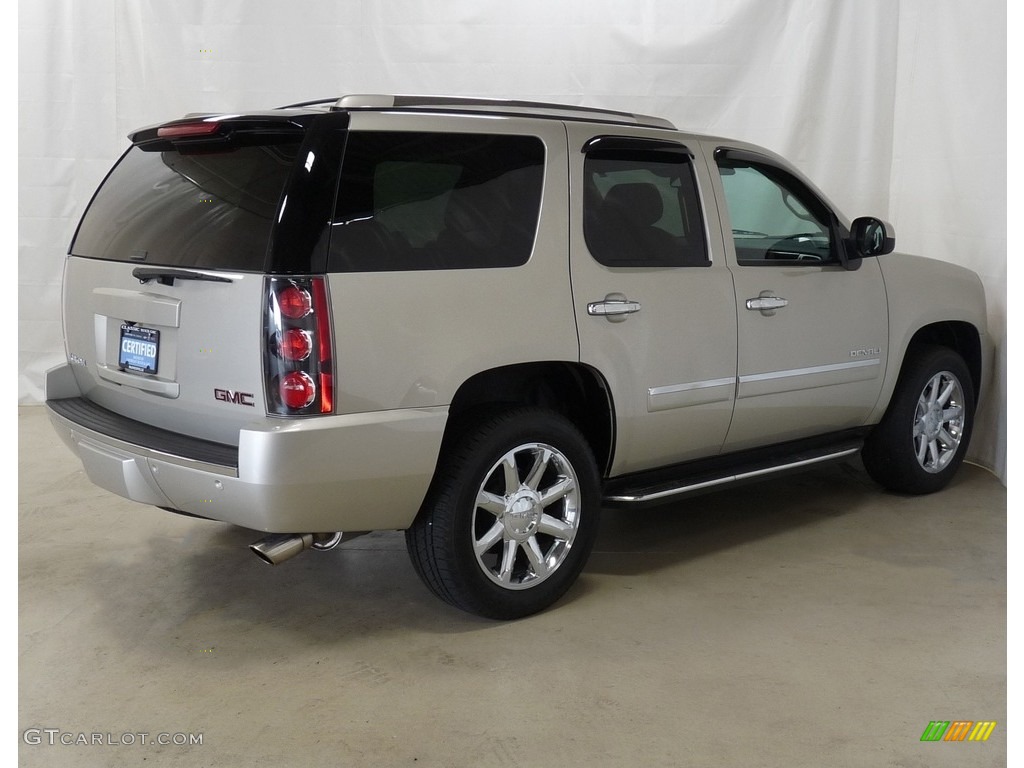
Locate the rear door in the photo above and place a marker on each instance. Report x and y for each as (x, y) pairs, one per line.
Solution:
(654, 310)
(164, 283)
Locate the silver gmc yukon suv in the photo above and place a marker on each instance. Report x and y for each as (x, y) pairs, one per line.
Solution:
(482, 321)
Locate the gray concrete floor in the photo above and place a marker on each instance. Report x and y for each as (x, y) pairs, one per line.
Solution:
(806, 621)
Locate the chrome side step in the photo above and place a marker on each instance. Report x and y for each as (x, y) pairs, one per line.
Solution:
(699, 476)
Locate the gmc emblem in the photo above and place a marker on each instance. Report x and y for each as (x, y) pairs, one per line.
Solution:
(238, 398)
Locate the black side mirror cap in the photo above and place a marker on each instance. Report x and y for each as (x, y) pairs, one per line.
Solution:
(872, 237)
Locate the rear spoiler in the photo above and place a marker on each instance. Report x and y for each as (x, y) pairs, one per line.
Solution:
(210, 132)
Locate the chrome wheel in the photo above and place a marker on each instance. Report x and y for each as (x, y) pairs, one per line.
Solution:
(526, 517)
(923, 436)
(939, 422)
(511, 515)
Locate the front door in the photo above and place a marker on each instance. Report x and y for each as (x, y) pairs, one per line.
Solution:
(812, 334)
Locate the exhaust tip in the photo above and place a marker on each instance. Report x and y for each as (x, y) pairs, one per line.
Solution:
(278, 547)
(275, 548)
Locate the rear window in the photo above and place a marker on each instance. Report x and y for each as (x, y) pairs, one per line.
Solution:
(211, 209)
(412, 201)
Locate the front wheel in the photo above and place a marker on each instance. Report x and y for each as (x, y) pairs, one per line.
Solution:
(921, 441)
(511, 515)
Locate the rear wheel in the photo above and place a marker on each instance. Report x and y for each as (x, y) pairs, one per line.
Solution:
(511, 516)
(921, 441)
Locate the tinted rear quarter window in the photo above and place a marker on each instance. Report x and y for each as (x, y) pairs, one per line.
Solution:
(414, 201)
(212, 210)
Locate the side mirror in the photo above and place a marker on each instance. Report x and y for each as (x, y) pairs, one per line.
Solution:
(872, 237)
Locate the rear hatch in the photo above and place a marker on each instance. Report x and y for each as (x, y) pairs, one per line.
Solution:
(165, 283)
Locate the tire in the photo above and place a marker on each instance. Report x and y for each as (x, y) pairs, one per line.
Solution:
(921, 441)
(511, 515)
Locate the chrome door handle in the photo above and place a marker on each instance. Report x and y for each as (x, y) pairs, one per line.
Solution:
(766, 303)
(610, 307)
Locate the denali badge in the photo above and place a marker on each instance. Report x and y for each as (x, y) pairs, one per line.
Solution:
(869, 352)
(238, 398)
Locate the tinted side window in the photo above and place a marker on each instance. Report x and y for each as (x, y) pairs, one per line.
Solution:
(642, 211)
(774, 217)
(212, 209)
(410, 201)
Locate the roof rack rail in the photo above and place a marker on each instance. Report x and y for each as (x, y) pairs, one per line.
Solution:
(497, 106)
(311, 103)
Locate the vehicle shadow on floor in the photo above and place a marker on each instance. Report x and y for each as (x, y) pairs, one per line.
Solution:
(368, 586)
(699, 525)
(152, 575)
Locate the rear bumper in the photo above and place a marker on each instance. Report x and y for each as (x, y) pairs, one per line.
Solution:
(355, 472)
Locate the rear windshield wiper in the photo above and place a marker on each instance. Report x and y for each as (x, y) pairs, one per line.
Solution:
(167, 276)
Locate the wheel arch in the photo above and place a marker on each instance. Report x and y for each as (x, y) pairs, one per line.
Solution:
(962, 337)
(576, 391)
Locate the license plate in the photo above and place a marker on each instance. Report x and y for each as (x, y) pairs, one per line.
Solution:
(139, 348)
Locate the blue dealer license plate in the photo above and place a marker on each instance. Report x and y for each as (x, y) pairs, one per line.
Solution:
(139, 348)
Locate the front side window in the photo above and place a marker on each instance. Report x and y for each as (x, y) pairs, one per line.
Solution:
(413, 201)
(774, 218)
(641, 209)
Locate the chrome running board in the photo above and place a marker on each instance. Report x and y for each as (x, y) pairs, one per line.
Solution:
(703, 475)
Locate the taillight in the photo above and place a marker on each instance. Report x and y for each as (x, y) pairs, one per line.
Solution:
(295, 344)
(185, 130)
(298, 350)
(297, 390)
(294, 301)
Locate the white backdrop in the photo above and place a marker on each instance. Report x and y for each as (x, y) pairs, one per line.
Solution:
(895, 108)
